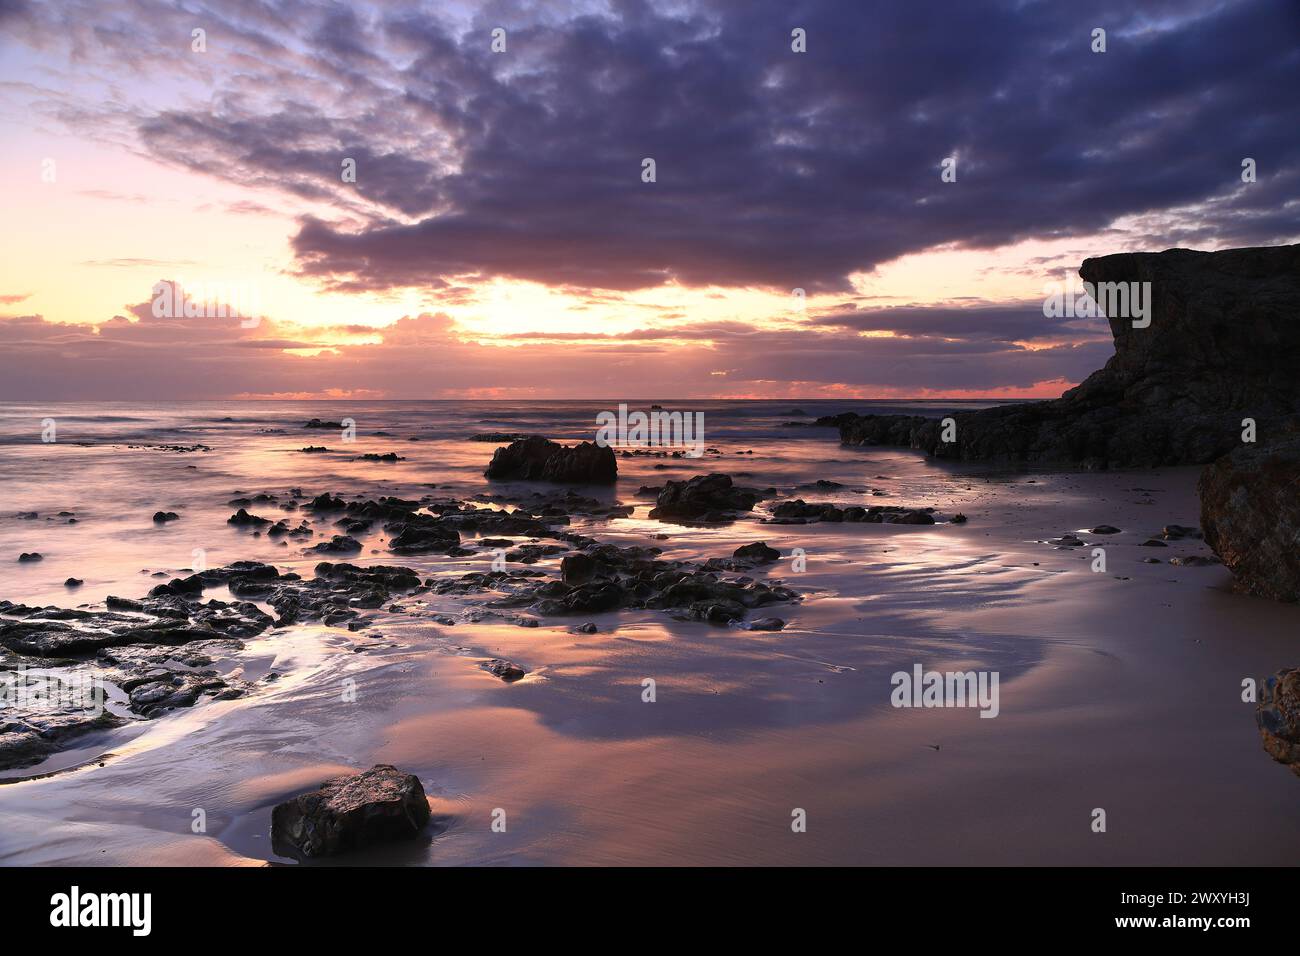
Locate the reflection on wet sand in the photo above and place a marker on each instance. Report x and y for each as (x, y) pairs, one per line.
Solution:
(1118, 689)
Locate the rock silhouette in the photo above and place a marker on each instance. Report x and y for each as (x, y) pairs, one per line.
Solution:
(1223, 344)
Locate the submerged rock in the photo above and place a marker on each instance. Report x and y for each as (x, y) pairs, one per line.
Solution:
(349, 813)
(1250, 510)
(539, 459)
(1222, 343)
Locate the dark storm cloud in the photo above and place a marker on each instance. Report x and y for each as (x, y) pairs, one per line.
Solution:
(782, 170)
(775, 169)
(1001, 323)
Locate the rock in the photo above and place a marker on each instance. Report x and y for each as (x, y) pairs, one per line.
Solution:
(338, 544)
(958, 518)
(587, 628)
(1222, 344)
(27, 557)
(162, 517)
(326, 502)
(423, 537)
(317, 423)
(28, 737)
(1250, 510)
(1105, 529)
(242, 519)
(703, 497)
(1278, 716)
(1193, 561)
(390, 456)
(767, 624)
(577, 568)
(349, 813)
(909, 517)
(73, 583)
(799, 511)
(538, 459)
(715, 612)
(313, 450)
(1153, 543)
(758, 553)
(508, 671)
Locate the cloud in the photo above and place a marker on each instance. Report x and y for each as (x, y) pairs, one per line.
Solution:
(774, 169)
(140, 357)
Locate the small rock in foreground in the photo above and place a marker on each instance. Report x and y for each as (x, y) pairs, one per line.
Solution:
(349, 813)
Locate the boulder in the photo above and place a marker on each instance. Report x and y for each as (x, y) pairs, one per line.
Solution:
(1250, 513)
(1223, 344)
(349, 813)
(1278, 717)
(577, 568)
(423, 536)
(539, 459)
(702, 496)
(758, 553)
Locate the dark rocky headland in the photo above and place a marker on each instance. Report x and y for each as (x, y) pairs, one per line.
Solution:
(1223, 344)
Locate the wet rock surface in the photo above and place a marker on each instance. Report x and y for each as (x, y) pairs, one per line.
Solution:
(160, 650)
(539, 459)
(1278, 717)
(1250, 510)
(377, 806)
(508, 671)
(712, 497)
(799, 511)
(1222, 344)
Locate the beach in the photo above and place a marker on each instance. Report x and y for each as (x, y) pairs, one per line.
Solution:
(1120, 689)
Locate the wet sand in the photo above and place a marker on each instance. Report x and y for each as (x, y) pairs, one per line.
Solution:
(1119, 690)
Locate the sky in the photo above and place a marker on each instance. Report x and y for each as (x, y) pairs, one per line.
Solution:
(500, 238)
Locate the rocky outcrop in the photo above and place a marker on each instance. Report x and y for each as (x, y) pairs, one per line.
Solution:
(703, 498)
(799, 511)
(351, 813)
(758, 553)
(1250, 511)
(1223, 344)
(1278, 717)
(538, 459)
